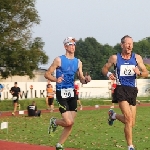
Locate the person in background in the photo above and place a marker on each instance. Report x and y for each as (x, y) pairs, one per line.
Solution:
(47, 105)
(50, 95)
(113, 86)
(76, 87)
(1, 90)
(138, 101)
(15, 91)
(32, 110)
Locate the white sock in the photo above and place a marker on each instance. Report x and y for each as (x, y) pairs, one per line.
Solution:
(114, 116)
(131, 146)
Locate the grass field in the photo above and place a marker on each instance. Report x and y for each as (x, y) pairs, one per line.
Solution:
(90, 132)
(7, 105)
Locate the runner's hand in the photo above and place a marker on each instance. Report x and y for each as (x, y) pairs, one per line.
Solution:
(87, 78)
(112, 77)
(136, 70)
(60, 79)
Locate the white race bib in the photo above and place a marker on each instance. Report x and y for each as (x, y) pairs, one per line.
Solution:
(65, 93)
(127, 70)
(14, 98)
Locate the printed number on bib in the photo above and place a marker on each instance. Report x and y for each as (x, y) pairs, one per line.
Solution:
(65, 93)
(127, 70)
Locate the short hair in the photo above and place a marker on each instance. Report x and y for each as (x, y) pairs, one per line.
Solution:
(123, 39)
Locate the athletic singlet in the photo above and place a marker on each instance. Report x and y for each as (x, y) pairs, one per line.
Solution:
(67, 70)
(50, 92)
(124, 70)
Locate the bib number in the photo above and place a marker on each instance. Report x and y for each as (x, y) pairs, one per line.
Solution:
(127, 70)
(66, 93)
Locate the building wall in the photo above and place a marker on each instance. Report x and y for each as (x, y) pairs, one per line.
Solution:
(94, 89)
(39, 77)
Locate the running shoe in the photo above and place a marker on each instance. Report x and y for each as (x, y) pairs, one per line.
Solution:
(13, 113)
(110, 120)
(132, 148)
(59, 147)
(52, 126)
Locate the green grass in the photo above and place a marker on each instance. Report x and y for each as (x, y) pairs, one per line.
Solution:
(7, 105)
(90, 131)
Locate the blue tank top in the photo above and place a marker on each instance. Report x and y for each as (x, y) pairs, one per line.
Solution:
(124, 70)
(67, 70)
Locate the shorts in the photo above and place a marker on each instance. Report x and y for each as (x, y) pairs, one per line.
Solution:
(76, 96)
(66, 104)
(17, 100)
(50, 101)
(114, 99)
(125, 93)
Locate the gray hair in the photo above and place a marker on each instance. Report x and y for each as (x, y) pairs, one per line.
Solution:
(123, 39)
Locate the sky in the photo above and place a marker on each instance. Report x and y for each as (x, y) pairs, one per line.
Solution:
(105, 20)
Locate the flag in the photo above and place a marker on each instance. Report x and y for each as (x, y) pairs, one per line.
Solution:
(4, 125)
(21, 112)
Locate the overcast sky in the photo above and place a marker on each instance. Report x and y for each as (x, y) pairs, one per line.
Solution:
(105, 20)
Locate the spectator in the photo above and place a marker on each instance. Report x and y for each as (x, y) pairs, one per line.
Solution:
(76, 87)
(50, 95)
(32, 110)
(47, 105)
(1, 90)
(113, 86)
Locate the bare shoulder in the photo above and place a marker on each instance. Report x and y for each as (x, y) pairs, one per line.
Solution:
(112, 59)
(57, 62)
(138, 58)
(79, 63)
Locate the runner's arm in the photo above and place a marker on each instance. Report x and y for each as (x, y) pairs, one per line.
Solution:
(80, 74)
(48, 74)
(142, 67)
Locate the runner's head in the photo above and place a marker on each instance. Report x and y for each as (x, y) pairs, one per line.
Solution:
(69, 44)
(127, 44)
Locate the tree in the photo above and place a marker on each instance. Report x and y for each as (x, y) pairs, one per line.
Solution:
(20, 54)
(89, 53)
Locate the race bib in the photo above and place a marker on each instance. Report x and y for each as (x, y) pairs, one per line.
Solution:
(14, 98)
(127, 70)
(66, 93)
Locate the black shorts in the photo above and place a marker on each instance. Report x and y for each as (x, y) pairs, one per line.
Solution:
(114, 99)
(17, 100)
(66, 104)
(125, 93)
(50, 101)
(76, 97)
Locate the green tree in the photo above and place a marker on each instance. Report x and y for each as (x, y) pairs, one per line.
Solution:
(20, 54)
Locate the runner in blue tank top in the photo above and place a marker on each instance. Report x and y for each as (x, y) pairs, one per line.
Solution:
(66, 67)
(127, 66)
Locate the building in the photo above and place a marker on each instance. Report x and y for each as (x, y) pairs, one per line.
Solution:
(39, 77)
